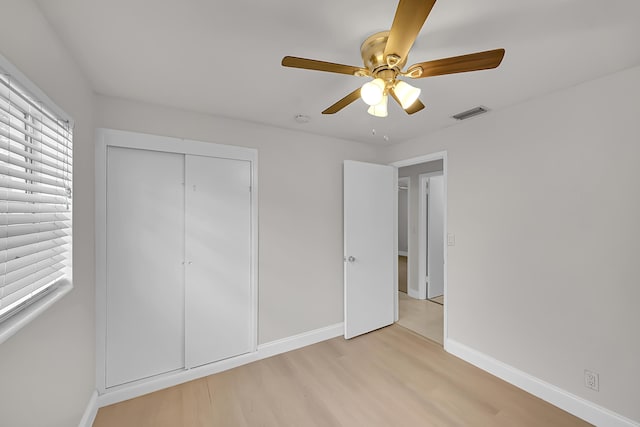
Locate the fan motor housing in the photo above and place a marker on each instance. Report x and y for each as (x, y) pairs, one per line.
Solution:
(372, 51)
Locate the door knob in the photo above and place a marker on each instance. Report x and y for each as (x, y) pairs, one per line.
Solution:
(350, 259)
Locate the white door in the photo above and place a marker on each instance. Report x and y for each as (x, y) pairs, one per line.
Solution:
(145, 275)
(218, 259)
(369, 268)
(435, 237)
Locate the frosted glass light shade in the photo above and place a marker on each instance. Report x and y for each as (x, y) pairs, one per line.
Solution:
(372, 92)
(380, 109)
(406, 94)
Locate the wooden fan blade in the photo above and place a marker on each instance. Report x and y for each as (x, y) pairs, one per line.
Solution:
(458, 64)
(343, 102)
(312, 64)
(410, 16)
(414, 108)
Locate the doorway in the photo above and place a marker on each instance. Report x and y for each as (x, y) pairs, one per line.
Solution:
(403, 232)
(431, 237)
(425, 245)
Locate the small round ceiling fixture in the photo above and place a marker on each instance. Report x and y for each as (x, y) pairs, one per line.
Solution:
(301, 118)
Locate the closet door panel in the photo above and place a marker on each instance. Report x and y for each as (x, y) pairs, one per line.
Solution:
(218, 253)
(145, 271)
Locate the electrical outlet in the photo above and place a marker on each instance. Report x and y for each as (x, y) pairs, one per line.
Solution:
(591, 380)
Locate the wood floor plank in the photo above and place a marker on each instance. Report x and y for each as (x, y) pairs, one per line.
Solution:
(390, 377)
(424, 317)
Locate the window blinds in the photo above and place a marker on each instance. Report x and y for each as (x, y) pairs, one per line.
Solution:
(35, 198)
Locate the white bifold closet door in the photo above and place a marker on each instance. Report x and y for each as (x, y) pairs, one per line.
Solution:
(218, 253)
(178, 285)
(145, 274)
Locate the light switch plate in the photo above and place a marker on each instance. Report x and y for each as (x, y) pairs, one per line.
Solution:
(451, 239)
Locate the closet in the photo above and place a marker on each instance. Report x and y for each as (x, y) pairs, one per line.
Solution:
(176, 262)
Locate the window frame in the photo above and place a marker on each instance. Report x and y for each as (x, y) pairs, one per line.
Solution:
(13, 321)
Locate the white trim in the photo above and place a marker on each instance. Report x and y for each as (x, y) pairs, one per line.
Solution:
(300, 340)
(405, 180)
(113, 138)
(423, 225)
(13, 324)
(423, 228)
(409, 242)
(100, 165)
(396, 302)
(168, 144)
(440, 155)
(90, 412)
(569, 402)
(254, 250)
(396, 310)
(273, 348)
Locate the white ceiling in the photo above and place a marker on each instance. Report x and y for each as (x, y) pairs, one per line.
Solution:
(223, 57)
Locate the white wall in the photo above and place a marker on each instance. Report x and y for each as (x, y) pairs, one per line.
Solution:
(544, 203)
(300, 208)
(47, 369)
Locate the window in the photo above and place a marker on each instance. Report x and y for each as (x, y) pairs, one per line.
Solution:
(35, 199)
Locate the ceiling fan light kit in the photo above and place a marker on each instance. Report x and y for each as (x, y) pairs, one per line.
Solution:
(406, 94)
(385, 54)
(373, 91)
(380, 109)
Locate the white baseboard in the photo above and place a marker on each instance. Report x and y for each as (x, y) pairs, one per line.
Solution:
(90, 412)
(129, 391)
(413, 293)
(301, 340)
(403, 253)
(569, 402)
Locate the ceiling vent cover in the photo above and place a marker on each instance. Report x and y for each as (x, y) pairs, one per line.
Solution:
(470, 113)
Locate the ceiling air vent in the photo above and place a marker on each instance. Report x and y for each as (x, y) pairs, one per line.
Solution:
(470, 113)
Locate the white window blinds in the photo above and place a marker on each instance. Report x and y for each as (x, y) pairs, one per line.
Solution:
(35, 198)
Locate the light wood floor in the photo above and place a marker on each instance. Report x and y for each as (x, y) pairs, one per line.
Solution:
(421, 316)
(439, 300)
(390, 377)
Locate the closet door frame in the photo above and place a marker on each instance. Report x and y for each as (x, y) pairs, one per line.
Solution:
(106, 138)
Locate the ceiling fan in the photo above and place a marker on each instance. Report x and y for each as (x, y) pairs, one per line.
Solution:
(385, 54)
